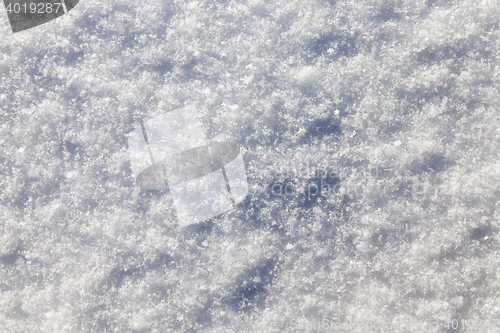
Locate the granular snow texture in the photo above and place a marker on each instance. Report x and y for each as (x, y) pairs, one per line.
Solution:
(370, 132)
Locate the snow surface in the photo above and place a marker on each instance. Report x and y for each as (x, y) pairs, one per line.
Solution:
(396, 101)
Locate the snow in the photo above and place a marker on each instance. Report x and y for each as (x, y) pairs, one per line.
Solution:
(392, 103)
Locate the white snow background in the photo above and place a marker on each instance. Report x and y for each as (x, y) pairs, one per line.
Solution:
(406, 88)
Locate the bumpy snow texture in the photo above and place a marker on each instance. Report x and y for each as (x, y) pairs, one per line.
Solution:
(370, 137)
